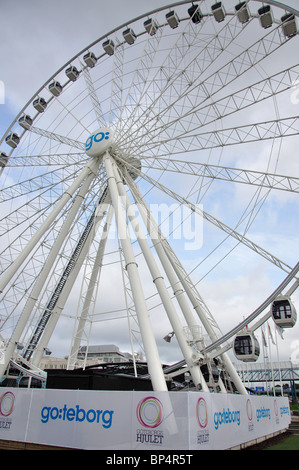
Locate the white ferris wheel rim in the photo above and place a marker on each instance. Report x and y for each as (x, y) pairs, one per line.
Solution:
(123, 25)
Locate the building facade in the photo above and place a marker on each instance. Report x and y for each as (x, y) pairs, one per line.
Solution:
(98, 354)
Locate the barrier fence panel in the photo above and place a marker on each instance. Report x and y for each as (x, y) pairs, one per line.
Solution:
(155, 421)
(225, 421)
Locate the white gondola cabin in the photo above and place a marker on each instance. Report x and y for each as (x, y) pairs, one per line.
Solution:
(129, 36)
(55, 88)
(90, 59)
(25, 121)
(40, 104)
(242, 12)
(289, 25)
(12, 139)
(172, 19)
(151, 26)
(218, 12)
(246, 347)
(72, 73)
(109, 47)
(195, 14)
(283, 312)
(3, 159)
(266, 17)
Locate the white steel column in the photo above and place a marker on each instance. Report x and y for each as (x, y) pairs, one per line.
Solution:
(178, 268)
(94, 279)
(13, 268)
(29, 306)
(197, 307)
(154, 234)
(158, 280)
(55, 315)
(150, 347)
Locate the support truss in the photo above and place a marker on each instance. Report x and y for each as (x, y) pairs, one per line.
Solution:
(234, 175)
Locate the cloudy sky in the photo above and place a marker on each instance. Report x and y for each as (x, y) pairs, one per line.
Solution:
(38, 37)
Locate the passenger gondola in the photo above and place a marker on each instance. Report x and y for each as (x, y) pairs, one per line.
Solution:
(72, 73)
(172, 19)
(151, 26)
(246, 347)
(195, 14)
(25, 121)
(12, 139)
(289, 25)
(90, 59)
(283, 312)
(218, 12)
(3, 160)
(40, 104)
(129, 36)
(109, 47)
(55, 88)
(242, 12)
(266, 17)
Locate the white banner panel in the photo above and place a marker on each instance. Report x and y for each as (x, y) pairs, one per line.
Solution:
(80, 419)
(14, 413)
(154, 421)
(160, 421)
(224, 421)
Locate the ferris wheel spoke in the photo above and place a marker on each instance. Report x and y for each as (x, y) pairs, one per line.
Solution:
(93, 97)
(57, 160)
(57, 138)
(18, 243)
(234, 175)
(211, 85)
(235, 102)
(230, 231)
(31, 212)
(257, 132)
(134, 105)
(173, 82)
(117, 85)
(70, 113)
(45, 181)
(186, 99)
(41, 200)
(269, 87)
(143, 84)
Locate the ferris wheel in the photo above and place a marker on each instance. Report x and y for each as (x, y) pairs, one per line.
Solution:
(160, 156)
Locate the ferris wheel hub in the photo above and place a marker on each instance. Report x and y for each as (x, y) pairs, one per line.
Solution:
(99, 141)
(132, 166)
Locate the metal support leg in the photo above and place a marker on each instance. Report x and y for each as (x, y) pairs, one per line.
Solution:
(151, 351)
(88, 172)
(94, 278)
(158, 280)
(67, 281)
(179, 270)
